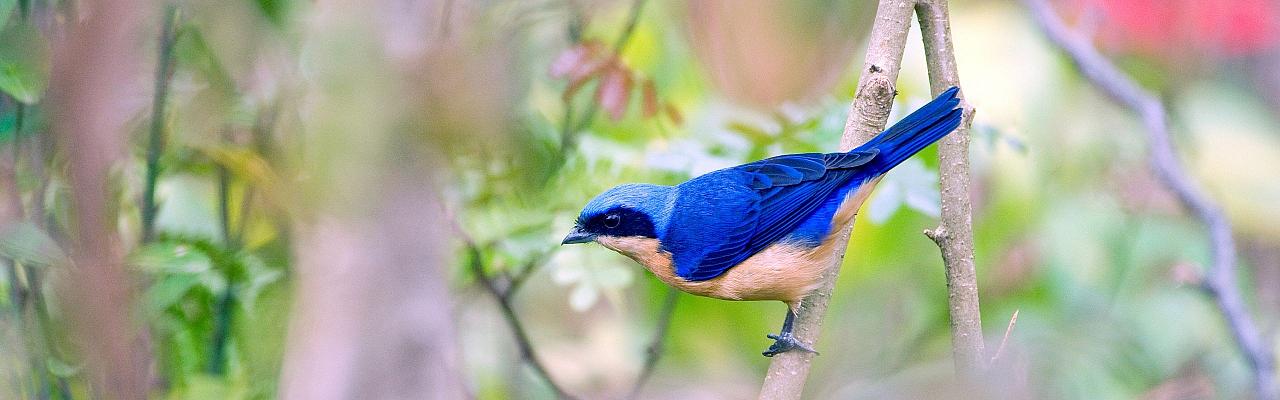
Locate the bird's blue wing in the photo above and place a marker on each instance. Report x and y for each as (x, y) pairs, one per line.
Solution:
(789, 189)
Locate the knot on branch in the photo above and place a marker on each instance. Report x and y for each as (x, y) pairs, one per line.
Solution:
(939, 234)
(874, 99)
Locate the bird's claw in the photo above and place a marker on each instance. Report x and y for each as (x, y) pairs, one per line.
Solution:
(785, 342)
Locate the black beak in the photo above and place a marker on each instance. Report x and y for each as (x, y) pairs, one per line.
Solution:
(578, 236)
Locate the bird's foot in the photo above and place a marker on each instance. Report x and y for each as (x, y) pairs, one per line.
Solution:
(785, 342)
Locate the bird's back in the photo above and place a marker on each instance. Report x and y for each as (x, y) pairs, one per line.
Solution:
(726, 217)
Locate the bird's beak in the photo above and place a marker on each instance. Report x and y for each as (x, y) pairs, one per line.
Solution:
(578, 236)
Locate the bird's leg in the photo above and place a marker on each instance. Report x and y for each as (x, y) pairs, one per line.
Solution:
(784, 341)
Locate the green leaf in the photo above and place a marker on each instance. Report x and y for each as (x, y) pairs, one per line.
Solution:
(169, 291)
(170, 257)
(24, 62)
(26, 243)
(61, 368)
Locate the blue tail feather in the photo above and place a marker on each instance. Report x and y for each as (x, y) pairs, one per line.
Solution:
(918, 130)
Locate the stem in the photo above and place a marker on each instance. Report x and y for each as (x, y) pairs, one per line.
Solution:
(954, 234)
(868, 115)
(569, 130)
(509, 314)
(226, 301)
(654, 351)
(155, 142)
(1220, 278)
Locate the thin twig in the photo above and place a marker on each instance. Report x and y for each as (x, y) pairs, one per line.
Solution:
(226, 300)
(1220, 279)
(155, 140)
(654, 351)
(570, 129)
(868, 115)
(954, 234)
(1007, 331)
(509, 314)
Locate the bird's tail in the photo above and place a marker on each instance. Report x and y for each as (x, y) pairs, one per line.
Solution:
(915, 132)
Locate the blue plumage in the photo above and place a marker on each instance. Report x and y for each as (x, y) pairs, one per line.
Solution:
(729, 215)
(693, 233)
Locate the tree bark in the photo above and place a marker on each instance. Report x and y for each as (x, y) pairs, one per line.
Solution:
(868, 115)
(93, 69)
(954, 235)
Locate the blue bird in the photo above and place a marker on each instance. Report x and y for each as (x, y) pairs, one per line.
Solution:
(759, 231)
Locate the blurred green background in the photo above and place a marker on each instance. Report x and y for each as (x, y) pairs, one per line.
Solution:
(515, 113)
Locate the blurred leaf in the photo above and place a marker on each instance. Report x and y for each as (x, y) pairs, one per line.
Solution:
(673, 113)
(274, 10)
(580, 64)
(209, 387)
(26, 243)
(614, 92)
(577, 62)
(170, 257)
(24, 62)
(650, 104)
(60, 368)
(169, 290)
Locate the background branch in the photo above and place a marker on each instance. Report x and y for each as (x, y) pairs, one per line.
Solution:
(954, 234)
(92, 70)
(155, 138)
(654, 351)
(867, 116)
(571, 128)
(1220, 279)
(503, 297)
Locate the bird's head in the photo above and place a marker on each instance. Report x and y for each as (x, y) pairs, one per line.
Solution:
(631, 210)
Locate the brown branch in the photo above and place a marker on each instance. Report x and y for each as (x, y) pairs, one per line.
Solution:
(92, 70)
(654, 352)
(954, 234)
(867, 117)
(503, 298)
(1220, 279)
(1013, 321)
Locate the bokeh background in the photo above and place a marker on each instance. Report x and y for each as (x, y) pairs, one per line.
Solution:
(338, 182)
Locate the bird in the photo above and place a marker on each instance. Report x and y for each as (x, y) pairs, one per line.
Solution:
(765, 230)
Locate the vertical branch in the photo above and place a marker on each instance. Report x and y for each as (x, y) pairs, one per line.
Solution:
(92, 70)
(954, 235)
(570, 129)
(1220, 278)
(867, 116)
(155, 139)
(223, 308)
(503, 297)
(654, 352)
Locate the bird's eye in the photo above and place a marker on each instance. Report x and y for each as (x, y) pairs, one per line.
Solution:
(612, 221)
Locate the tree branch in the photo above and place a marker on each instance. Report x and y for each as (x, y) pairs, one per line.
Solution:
(1220, 279)
(654, 352)
(503, 297)
(867, 116)
(954, 234)
(570, 129)
(155, 140)
(92, 70)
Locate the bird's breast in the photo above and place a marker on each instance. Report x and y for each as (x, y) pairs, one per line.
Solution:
(784, 271)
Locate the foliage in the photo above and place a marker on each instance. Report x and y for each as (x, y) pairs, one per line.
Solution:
(1070, 229)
